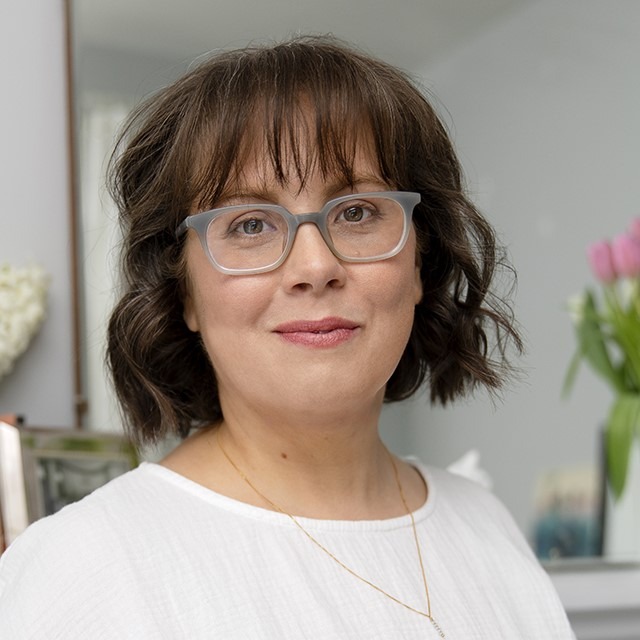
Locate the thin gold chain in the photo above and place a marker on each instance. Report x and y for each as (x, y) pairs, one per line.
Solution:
(275, 507)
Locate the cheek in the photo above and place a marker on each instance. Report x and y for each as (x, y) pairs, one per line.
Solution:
(402, 284)
(214, 299)
(401, 292)
(224, 309)
(393, 294)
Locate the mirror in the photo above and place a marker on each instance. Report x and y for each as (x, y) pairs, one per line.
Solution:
(542, 101)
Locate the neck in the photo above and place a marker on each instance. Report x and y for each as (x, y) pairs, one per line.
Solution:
(313, 464)
(326, 470)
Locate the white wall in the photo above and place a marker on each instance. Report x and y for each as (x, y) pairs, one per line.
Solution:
(34, 199)
(546, 115)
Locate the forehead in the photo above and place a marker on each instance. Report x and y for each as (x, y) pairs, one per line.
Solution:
(259, 174)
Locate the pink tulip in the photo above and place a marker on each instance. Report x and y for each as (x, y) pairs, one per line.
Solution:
(601, 261)
(634, 228)
(625, 250)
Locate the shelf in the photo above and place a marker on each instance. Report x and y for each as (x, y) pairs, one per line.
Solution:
(602, 599)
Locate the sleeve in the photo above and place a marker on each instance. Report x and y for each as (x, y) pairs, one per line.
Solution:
(57, 581)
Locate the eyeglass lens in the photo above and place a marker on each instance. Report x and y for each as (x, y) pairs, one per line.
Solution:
(255, 236)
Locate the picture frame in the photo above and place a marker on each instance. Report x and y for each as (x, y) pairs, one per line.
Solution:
(42, 470)
(13, 503)
(64, 466)
(569, 519)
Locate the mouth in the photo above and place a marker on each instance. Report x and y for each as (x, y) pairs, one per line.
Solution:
(327, 332)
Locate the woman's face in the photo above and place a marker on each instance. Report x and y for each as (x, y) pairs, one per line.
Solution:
(315, 335)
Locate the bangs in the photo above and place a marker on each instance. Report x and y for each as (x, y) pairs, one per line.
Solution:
(289, 146)
(295, 116)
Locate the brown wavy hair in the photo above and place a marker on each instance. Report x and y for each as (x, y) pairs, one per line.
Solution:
(186, 144)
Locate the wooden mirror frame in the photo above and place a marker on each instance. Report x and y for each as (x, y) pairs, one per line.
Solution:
(79, 398)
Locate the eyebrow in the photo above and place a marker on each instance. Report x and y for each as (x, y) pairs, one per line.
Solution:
(265, 193)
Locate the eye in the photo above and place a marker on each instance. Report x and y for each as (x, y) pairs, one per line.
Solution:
(355, 213)
(251, 223)
(252, 226)
(361, 215)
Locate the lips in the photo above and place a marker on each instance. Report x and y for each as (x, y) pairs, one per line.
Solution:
(327, 332)
(315, 326)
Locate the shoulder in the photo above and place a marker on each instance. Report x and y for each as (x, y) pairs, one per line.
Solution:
(486, 552)
(84, 525)
(455, 490)
(446, 484)
(465, 506)
(54, 563)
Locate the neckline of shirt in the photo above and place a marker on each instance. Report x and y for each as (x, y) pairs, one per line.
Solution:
(243, 509)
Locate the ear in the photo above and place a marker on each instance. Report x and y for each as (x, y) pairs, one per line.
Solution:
(417, 286)
(189, 314)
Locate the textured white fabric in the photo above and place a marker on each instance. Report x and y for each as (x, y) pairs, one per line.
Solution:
(154, 555)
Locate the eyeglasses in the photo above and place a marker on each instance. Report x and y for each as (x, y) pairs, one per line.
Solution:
(255, 238)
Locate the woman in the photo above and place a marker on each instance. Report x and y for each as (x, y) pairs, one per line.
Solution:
(268, 336)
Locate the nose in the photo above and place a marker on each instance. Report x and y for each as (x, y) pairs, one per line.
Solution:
(310, 265)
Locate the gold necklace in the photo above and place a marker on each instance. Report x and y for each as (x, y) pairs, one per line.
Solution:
(275, 507)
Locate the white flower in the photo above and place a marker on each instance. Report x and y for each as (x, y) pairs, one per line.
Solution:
(23, 301)
(576, 305)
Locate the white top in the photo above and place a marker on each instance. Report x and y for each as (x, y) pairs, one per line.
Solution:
(155, 555)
